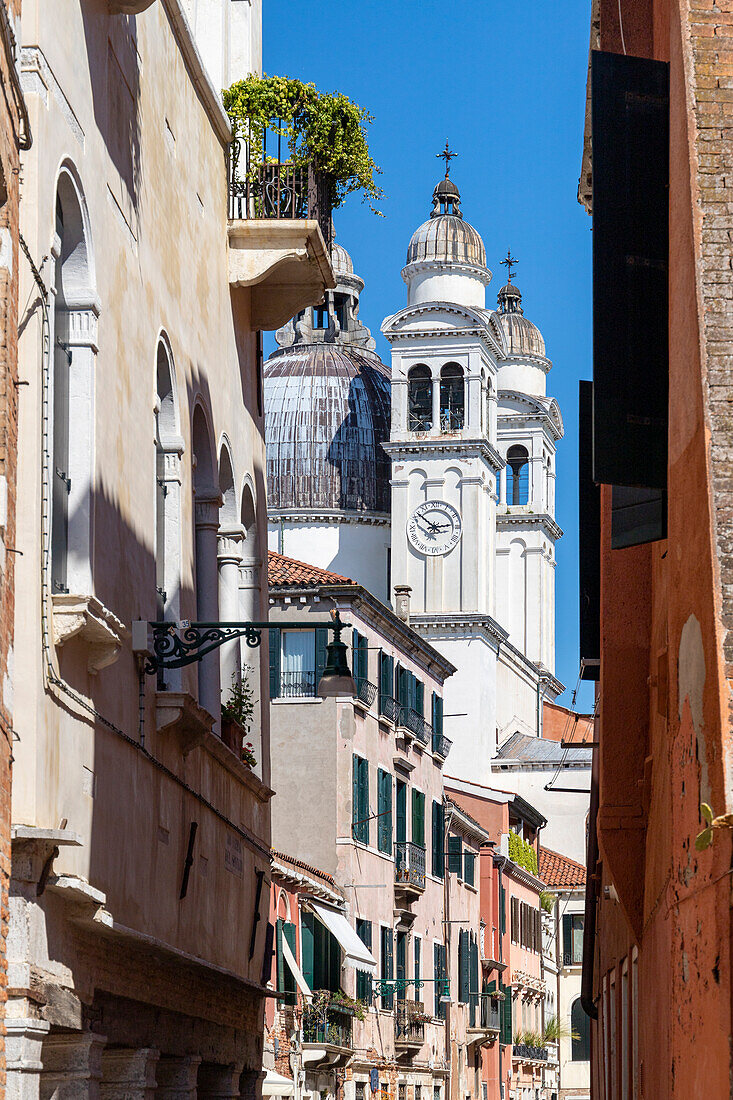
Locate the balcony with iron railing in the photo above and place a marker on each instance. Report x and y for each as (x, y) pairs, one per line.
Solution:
(298, 685)
(279, 233)
(366, 692)
(409, 1026)
(329, 1025)
(522, 1052)
(409, 866)
(490, 1013)
(389, 708)
(413, 722)
(441, 745)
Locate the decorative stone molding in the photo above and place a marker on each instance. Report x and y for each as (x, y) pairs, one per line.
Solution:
(72, 1064)
(32, 847)
(176, 1077)
(86, 618)
(179, 713)
(128, 1074)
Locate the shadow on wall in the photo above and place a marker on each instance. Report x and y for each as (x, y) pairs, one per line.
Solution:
(114, 73)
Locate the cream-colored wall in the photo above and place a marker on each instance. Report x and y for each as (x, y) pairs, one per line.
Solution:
(160, 264)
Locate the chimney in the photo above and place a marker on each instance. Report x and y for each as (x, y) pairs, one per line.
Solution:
(402, 594)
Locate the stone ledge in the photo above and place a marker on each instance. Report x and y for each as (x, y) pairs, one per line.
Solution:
(180, 713)
(86, 618)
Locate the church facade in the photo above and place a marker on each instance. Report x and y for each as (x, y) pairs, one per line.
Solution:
(468, 532)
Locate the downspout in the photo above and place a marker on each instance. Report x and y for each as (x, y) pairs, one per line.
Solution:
(446, 942)
(591, 892)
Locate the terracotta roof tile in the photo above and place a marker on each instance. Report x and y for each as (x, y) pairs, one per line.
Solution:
(282, 571)
(283, 858)
(558, 871)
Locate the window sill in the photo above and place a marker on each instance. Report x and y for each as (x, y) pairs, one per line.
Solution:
(88, 620)
(299, 700)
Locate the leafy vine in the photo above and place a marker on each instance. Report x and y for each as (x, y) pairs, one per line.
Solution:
(324, 129)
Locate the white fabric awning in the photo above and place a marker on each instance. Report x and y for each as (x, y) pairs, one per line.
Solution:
(295, 969)
(275, 1084)
(357, 954)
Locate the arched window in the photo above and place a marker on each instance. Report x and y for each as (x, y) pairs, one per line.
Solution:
(518, 475)
(419, 399)
(580, 1028)
(74, 360)
(229, 559)
(206, 513)
(452, 400)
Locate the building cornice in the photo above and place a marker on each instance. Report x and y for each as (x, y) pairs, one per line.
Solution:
(305, 882)
(419, 443)
(519, 874)
(524, 519)
(548, 414)
(458, 622)
(318, 515)
(465, 824)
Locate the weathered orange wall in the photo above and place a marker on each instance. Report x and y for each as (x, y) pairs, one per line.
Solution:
(562, 724)
(663, 725)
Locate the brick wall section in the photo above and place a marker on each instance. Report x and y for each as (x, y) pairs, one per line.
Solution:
(710, 81)
(9, 260)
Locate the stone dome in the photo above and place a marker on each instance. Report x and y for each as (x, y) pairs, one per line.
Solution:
(327, 412)
(340, 260)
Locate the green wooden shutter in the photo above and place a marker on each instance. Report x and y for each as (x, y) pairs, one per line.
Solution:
(363, 652)
(360, 800)
(418, 818)
(401, 962)
(387, 965)
(307, 948)
(420, 697)
(280, 957)
(473, 990)
(291, 996)
(437, 975)
(386, 679)
(363, 980)
(567, 939)
(455, 850)
(274, 647)
(438, 864)
(416, 950)
(384, 810)
(502, 910)
(401, 812)
(321, 652)
(469, 860)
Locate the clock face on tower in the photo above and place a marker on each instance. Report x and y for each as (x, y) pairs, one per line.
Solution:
(434, 527)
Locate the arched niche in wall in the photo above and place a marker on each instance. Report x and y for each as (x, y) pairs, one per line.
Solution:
(229, 556)
(168, 451)
(207, 499)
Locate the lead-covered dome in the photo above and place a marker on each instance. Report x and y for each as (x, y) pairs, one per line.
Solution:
(447, 238)
(327, 412)
(521, 335)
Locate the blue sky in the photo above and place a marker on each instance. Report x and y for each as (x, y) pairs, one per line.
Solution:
(505, 84)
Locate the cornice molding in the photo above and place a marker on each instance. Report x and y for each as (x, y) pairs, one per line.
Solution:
(525, 519)
(454, 446)
(317, 515)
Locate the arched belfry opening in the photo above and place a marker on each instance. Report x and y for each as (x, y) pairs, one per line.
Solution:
(419, 399)
(452, 398)
(518, 478)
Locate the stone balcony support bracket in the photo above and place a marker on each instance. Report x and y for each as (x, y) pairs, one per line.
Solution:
(284, 262)
(86, 618)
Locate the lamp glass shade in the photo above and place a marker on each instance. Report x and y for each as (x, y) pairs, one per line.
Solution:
(336, 678)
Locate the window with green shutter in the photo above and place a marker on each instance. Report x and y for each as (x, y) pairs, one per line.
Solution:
(360, 658)
(438, 831)
(419, 697)
(384, 810)
(387, 964)
(505, 1015)
(401, 812)
(455, 855)
(440, 972)
(463, 967)
(469, 873)
(502, 910)
(437, 714)
(363, 980)
(401, 963)
(274, 648)
(418, 817)
(386, 680)
(321, 653)
(473, 979)
(416, 951)
(360, 800)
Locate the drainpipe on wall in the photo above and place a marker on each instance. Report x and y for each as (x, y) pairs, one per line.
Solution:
(591, 893)
(446, 942)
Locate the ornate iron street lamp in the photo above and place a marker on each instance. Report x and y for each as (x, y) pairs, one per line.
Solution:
(175, 644)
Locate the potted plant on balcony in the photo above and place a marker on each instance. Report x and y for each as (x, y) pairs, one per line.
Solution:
(323, 130)
(236, 718)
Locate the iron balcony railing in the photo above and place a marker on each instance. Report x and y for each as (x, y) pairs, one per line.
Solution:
(409, 1028)
(441, 744)
(413, 721)
(489, 1013)
(389, 708)
(366, 691)
(409, 864)
(327, 1025)
(574, 957)
(298, 685)
(522, 1050)
(277, 190)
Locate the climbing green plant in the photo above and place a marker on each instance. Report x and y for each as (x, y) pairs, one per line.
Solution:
(522, 853)
(704, 839)
(324, 129)
(547, 901)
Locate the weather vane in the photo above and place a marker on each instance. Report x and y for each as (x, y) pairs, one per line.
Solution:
(509, 263)
(447, 156)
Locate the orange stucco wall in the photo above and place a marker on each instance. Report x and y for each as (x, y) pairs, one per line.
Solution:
(664, 729)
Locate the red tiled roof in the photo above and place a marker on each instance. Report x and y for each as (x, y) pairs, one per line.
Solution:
(287, 571)
(303, 866)
(557, 871)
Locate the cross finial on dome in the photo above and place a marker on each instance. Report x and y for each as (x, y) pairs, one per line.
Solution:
(447, 156)
(509, 263)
